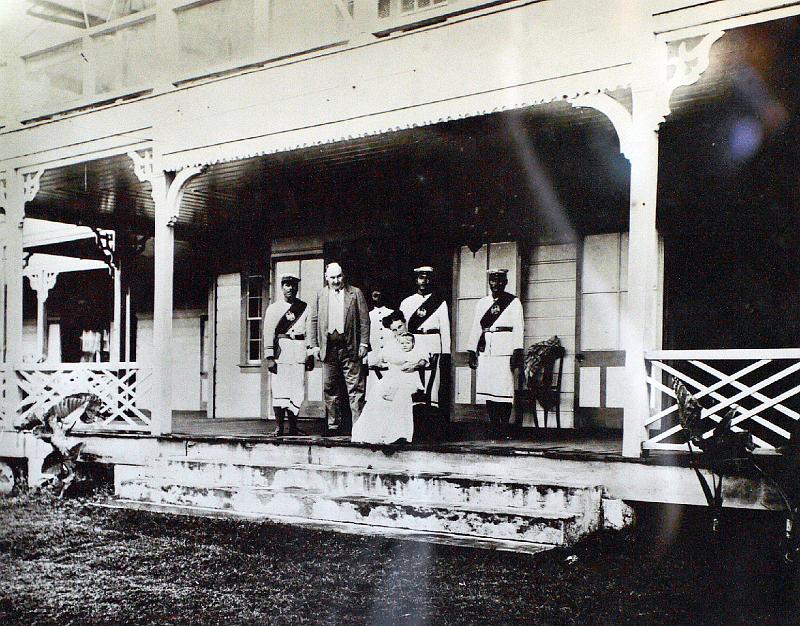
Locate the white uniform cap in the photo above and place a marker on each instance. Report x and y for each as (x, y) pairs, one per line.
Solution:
(497, 271)
(424, 268)
(288, 277)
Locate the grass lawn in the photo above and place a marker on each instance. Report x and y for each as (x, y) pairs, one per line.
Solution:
(71, 563)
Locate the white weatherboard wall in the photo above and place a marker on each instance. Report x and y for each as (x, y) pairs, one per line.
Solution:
(238, 388)
(185, 357)
(549, 303)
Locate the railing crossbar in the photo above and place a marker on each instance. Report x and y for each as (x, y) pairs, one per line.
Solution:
(703, 390)
(118, 385)
(758, 386)
(723, 355)
(757, 395)
(698, 359)
(749, 414)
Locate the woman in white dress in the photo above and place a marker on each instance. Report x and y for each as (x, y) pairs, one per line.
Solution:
(388, 415)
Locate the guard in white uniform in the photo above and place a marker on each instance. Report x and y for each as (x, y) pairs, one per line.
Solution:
(285, 353)
(378, 335)
(495, 347)
(428, 320)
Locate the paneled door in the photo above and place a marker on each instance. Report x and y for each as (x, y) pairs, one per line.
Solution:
(601, 378)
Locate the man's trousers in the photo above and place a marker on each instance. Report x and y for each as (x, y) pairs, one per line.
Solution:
(343, 383)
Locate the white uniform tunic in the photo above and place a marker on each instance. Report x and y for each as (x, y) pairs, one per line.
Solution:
(495, 381)
(288, 384)
(432, 338)
(378, 337)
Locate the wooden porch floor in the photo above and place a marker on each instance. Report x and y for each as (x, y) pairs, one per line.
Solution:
(464, 437)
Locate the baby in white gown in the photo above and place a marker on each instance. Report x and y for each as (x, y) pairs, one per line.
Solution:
(388, 414)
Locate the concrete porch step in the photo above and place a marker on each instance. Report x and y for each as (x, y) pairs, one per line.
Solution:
(402, 534)
(453, 488)
(496, 522)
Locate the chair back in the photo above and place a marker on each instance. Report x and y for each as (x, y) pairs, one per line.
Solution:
(544, 366)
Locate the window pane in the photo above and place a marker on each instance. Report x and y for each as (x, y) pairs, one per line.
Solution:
(254, 332)
(216, 33)
(254, 284)
(124, 58)
(298, 25)
(55, 76)
(121, 9)
(254, 308)
(311, 274)
(385, 8)
(600, 321)
(255, 351)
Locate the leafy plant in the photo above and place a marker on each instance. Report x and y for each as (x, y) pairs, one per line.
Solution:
(724, 450)
(60, 465)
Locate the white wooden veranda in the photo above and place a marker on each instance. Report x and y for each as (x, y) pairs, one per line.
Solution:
(661, 47)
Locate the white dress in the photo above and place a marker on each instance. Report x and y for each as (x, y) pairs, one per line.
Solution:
(388, 414)
(379, 336)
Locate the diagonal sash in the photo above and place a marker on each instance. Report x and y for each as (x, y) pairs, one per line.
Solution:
(286, 322)
(289, 318)
(424, 311)
(492, 314)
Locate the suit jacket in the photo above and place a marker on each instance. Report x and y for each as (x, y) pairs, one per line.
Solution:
(356, 320)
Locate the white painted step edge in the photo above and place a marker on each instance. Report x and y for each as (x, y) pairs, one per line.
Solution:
(400, 534)
(547, 481)
(378, 500)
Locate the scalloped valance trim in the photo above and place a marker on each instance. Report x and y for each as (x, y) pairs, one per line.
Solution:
(425, 114)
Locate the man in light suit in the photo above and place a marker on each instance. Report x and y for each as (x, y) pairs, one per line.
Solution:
(337, 330)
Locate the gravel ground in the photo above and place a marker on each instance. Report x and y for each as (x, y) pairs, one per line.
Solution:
(68, 562)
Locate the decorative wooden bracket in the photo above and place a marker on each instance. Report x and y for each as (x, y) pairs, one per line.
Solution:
(42, 281)
(30, 184)
(105, 241)
(681, 69)
(11, 206)
(163, 191)
(143, 164)
(615, 111)
(688, 66)
(176, 189)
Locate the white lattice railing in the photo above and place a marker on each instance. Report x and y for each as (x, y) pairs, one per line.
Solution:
(761, 385)
(120, 386)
